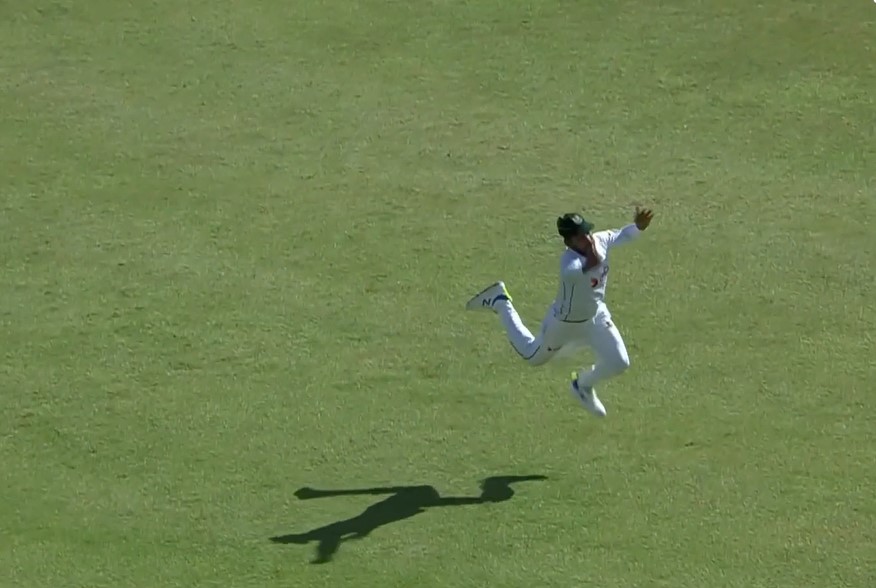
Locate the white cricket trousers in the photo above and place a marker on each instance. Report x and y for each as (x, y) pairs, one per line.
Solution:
(599, 333)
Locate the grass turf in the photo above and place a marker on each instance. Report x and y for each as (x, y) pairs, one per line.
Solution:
(236, 239)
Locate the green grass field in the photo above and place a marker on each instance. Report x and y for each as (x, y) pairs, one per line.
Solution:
(236, 241)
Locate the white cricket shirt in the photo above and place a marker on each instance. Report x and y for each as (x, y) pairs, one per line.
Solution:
(581, 294)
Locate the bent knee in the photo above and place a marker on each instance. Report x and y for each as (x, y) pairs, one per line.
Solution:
(538, 359)
(622, 363)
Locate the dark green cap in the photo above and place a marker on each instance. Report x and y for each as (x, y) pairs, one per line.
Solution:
(571, 224)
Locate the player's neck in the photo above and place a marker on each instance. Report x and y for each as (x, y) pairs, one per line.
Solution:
(578, 251)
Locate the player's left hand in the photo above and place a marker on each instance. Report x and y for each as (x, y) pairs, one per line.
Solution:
(643, 218)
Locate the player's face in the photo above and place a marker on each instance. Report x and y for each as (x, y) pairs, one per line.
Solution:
(585, 246)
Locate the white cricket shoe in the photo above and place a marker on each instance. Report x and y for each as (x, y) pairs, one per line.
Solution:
(586, 395)
(488, 297)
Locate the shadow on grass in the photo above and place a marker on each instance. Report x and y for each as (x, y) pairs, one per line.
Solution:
(403, 502)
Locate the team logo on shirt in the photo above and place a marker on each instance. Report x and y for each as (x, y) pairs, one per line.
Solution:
(594, 282)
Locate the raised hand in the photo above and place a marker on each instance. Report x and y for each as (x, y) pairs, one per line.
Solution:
(643, 218)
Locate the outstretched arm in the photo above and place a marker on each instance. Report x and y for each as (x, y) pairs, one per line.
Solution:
(628, 233)
(622, 235)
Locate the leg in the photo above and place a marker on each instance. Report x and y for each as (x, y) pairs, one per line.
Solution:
(611, 353)
(534, 350)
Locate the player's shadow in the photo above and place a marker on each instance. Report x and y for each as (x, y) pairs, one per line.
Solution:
(403, 502)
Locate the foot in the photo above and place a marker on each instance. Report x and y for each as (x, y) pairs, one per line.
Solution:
(487, 298)
(586, 395)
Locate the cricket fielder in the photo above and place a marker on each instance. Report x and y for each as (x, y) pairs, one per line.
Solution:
(579, 314)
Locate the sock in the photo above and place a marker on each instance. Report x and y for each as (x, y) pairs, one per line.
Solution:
(588, 379)
(603, 370)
